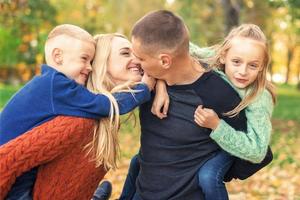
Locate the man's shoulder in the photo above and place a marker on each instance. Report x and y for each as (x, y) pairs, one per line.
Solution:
(213, 83)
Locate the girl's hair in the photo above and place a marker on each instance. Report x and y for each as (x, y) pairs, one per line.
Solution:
(105, 143)
(253, 32)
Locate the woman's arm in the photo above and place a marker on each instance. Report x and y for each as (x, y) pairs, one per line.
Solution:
(39, 146)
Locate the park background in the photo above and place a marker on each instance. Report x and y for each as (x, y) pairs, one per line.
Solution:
(24, 25)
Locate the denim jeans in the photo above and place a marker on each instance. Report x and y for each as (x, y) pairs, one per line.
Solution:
(129, 188)
(211, 175)
(22, 188)
(136, 197)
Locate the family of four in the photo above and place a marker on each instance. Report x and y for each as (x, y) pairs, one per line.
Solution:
(204, 114)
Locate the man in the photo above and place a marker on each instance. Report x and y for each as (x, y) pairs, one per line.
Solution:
(173, 149)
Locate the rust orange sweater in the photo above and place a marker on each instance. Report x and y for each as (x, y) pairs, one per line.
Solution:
(56, 146)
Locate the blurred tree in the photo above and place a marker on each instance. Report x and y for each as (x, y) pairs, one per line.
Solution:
(26, 22)
(231, 13)
(288, 14)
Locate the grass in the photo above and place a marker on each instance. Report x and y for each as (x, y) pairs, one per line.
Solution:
(288, 106)
(6, 92)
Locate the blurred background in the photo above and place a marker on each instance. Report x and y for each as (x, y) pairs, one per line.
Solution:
(24, 25)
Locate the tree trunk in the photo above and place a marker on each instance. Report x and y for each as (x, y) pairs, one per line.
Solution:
(288, 64)
(232, 12)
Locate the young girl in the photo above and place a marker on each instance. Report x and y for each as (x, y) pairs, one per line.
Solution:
(242, 60)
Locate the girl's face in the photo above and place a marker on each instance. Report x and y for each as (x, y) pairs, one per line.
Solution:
(243, 61)
(123, 66)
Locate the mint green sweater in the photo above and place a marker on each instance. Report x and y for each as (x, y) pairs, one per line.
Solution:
(252, 145)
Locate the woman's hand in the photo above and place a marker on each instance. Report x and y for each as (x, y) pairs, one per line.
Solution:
(206, 117)
(149, 81)
(161, 101)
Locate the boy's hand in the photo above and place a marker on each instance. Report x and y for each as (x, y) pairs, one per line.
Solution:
(149, 81)
(161, 101)
(206, 117)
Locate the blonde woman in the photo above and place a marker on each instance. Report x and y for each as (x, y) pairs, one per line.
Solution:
(73, 154)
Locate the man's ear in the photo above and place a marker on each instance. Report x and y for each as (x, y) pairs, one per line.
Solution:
(57, 56)
(165, 60)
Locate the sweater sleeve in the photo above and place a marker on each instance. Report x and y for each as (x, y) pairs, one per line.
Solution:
(70, 98)
(200, 53)
(39, 146)
(253, 144)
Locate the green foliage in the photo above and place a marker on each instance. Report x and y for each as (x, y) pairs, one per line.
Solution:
(8, 47)
(288, 106)
(24, 22)
(6, 92)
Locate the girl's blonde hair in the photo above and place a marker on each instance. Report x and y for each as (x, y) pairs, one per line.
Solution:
(253, 32)
(105, 143)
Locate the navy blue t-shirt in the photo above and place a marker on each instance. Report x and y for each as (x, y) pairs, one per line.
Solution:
(173, 149)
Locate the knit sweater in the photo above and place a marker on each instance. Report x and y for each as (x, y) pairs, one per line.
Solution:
(253, 144)
(57, 146)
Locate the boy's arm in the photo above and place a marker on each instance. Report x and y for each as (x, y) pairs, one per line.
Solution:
(161, 100)
(128, 101)
(39, 146)
(69, 98)
(251, 145)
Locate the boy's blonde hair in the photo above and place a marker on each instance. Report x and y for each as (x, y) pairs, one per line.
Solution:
(58, 35)
(253, 32)
(105, 143)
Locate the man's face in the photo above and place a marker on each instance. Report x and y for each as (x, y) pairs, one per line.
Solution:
(150, 63)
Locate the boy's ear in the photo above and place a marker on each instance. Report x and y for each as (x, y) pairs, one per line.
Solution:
(57, 56)
(165, 60)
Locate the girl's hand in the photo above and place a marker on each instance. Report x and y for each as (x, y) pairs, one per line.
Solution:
(149, 81)
(206, 117)
(161, 101)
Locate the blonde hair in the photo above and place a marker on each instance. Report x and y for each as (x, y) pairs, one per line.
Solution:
(253, 32)
(105, 143)
(71, 31)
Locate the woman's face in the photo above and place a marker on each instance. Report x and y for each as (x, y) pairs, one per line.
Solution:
(122, 65)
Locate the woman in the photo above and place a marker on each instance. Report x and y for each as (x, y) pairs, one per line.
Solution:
(80, 151)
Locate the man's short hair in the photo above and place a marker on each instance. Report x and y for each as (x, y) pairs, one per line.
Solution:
(162, 30)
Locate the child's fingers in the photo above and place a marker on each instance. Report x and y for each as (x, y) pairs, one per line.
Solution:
(199, 117)
(166, 107)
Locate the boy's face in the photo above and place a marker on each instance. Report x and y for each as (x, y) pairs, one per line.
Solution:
(76, 60)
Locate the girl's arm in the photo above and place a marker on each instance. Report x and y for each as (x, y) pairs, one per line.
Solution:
(251, 145)
(39, 146)
(200, 53)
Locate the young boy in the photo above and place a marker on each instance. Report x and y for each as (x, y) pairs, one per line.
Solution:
(59, 90)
